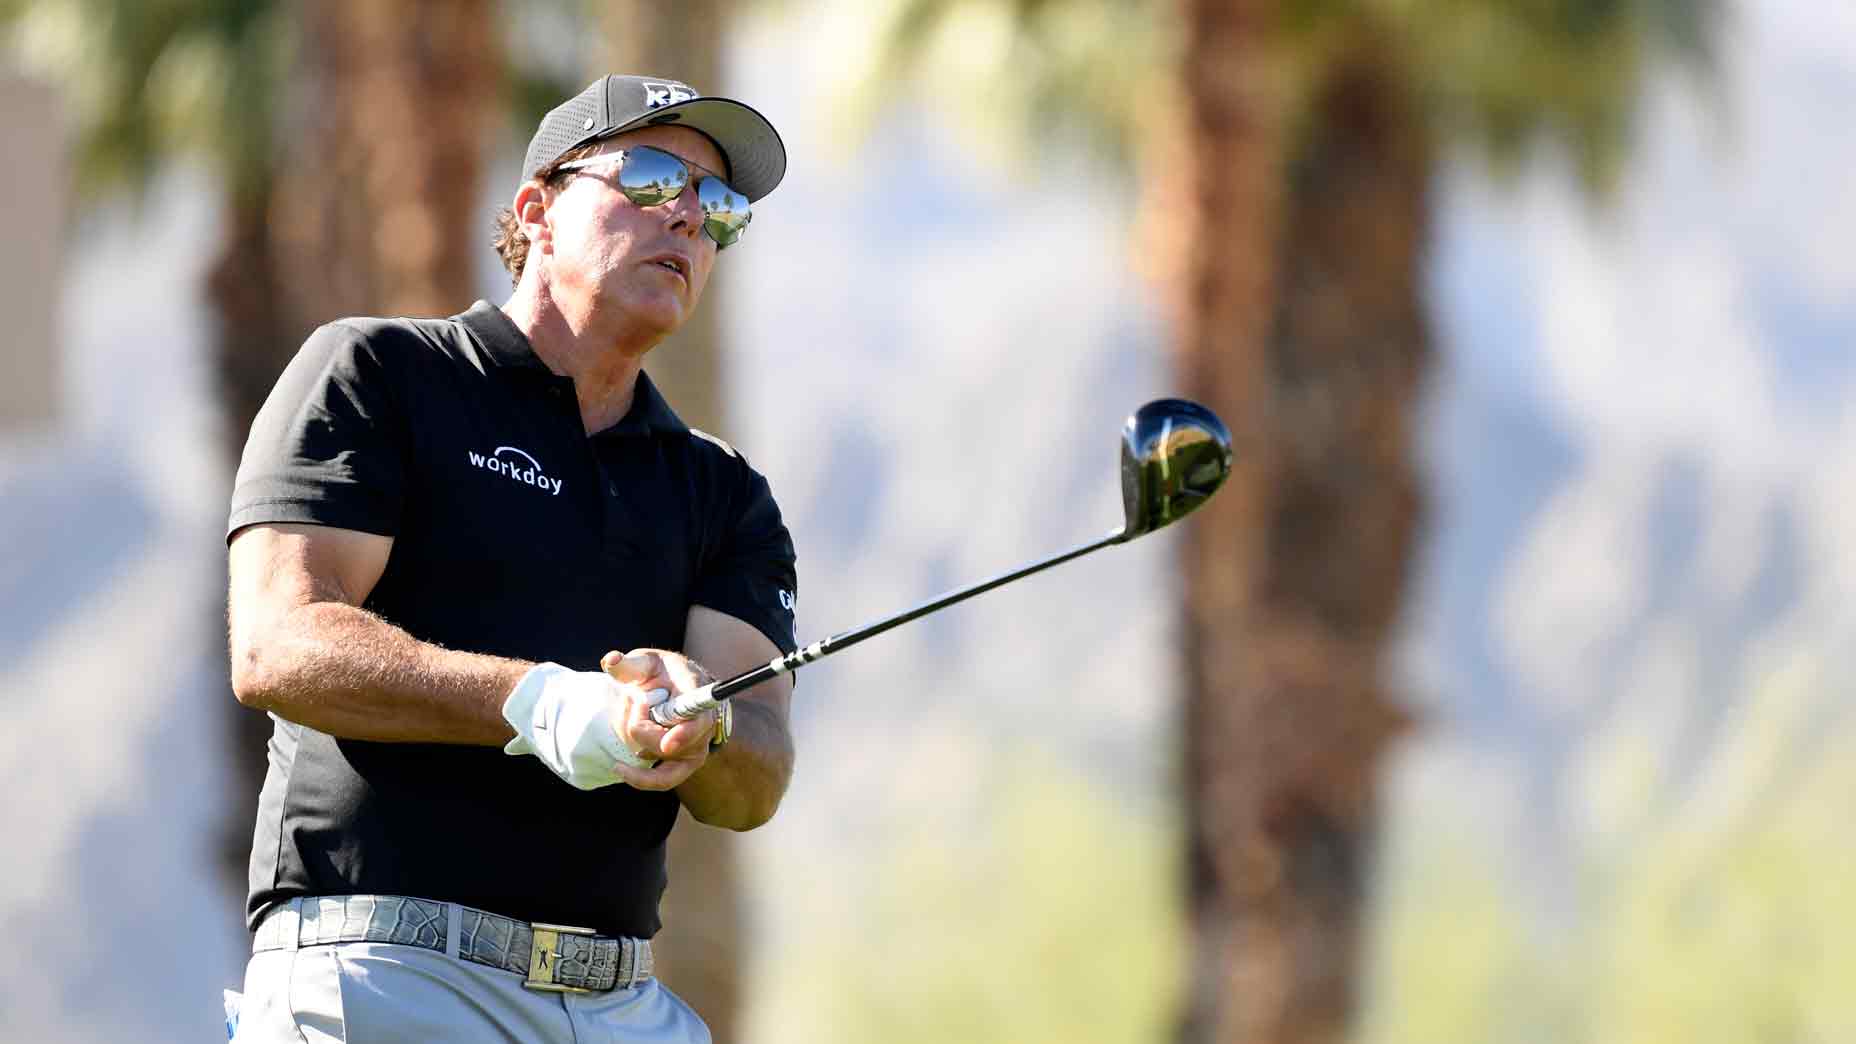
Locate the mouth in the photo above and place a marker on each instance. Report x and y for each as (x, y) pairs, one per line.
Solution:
(679, 265)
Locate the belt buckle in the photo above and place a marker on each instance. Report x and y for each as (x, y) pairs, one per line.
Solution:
(544, 957)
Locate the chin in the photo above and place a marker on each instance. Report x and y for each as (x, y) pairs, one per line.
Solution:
(666, 316)
(664, 324)
(662, 312)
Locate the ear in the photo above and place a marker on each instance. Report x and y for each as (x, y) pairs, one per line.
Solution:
(531, 211)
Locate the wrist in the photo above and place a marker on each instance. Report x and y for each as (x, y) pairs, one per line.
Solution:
(522, 703)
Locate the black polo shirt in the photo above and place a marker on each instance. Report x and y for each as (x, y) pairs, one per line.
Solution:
(517, 534)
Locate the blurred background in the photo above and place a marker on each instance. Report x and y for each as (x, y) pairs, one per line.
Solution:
(1500, 696)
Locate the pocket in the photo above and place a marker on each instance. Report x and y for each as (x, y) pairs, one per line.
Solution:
(316, 996)
(407, 995)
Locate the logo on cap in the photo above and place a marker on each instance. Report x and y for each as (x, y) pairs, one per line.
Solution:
(658, 95)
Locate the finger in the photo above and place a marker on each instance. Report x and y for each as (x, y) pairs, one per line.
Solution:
(662, 776)
(689, 737)
(682, 671)
(639, 667)
(636, 728)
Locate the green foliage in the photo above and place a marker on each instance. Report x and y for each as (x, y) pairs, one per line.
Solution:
(1502, 74)
(1499, 74)
(144, 80)
(147, 81)
(528, 94)
(1021, 72)
(1050, 919)
(1730, 920)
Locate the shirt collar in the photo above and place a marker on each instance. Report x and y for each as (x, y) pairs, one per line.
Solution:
(504, 344)
(501, 340)
(649, 412)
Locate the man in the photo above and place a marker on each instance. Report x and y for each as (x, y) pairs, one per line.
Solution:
(440, 532)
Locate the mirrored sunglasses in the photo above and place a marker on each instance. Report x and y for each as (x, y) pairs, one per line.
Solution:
(649, 176)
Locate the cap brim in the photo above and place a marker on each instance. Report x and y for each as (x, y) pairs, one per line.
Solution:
(756, 155)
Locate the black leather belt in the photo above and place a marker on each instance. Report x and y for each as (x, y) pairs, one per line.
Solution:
(549, 956)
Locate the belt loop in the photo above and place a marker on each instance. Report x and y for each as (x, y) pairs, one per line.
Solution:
(454, 928)
(292, 916)
(631, 980)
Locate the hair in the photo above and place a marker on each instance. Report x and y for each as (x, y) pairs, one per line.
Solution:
(507, 237)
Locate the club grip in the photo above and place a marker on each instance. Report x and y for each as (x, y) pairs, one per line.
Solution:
(685, 706)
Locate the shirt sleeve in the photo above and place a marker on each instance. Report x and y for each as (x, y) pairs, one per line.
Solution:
(328, 445)
(752, 575)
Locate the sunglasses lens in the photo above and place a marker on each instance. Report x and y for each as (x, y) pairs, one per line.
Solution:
(725, 212)
(650, 177)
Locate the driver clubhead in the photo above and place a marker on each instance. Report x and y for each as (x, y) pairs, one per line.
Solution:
(1174, 456)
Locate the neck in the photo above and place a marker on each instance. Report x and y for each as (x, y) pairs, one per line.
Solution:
(600, 351)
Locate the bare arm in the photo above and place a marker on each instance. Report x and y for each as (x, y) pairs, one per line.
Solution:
(741, 785)
(303, 648)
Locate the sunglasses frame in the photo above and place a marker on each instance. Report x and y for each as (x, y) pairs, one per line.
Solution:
(694, 175)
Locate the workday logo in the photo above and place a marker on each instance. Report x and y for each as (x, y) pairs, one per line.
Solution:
(513, 464)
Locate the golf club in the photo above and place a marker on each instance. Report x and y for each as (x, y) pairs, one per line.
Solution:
(1174, 456)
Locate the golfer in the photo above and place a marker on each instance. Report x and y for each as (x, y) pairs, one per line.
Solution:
(467, 556)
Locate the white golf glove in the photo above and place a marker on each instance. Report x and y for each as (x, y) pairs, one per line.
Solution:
(565, 719)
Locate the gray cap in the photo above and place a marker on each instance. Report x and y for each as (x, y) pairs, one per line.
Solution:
(612, 104)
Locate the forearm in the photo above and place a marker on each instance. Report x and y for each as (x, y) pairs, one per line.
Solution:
(740, 786)
(347, 672)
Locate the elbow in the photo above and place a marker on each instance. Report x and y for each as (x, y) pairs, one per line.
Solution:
(257, 677)
(746, 812)
(757, 816)
(740, 820)
(752, 804)
(763, 802)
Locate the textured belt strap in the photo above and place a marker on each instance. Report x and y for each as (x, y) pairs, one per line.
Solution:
(566, 958)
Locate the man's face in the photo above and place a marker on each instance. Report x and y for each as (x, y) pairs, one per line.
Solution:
(650, 263)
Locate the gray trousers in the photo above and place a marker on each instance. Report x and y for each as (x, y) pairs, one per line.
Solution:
(365, 992)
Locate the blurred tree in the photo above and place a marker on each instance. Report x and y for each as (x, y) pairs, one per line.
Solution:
(347, 136)
(1286, 150)
(390, 109)
(146, 84)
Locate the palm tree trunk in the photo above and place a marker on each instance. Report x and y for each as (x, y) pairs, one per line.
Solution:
(377, 207)
(698, 952)
(373, 212)
(1307, 330)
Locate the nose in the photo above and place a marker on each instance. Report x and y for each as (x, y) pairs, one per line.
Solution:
(686, 212)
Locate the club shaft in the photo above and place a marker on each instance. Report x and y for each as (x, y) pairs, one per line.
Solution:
(692, 703)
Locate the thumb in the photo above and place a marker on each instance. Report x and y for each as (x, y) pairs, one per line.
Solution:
(631, 667)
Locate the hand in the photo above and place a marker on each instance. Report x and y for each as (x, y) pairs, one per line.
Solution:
(659, 669)
(569, 721)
